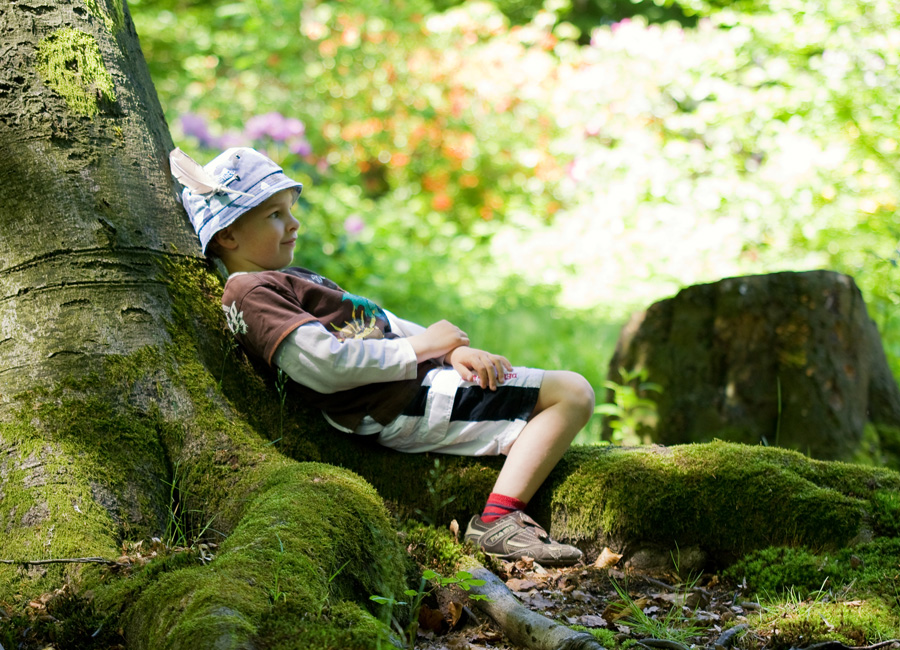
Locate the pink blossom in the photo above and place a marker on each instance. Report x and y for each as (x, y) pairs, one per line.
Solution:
(194, 125)
(353, 225)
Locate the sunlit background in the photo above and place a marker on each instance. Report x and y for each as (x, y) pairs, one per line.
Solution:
(535, 172)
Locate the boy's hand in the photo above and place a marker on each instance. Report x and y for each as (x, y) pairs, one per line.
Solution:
(479, 366)
(437, 340)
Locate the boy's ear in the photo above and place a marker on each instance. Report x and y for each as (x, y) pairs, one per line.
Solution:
(225, 238)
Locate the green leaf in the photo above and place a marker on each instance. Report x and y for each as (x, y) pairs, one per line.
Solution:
(428, 574)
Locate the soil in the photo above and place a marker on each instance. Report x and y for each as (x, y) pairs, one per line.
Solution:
(647, 611)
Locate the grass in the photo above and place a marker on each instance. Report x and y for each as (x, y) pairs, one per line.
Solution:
(184, 528)
(672, 626)
(794, 618)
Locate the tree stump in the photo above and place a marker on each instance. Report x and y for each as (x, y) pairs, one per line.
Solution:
(787, 359)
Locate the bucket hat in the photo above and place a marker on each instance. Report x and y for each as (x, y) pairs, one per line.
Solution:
(236, 180)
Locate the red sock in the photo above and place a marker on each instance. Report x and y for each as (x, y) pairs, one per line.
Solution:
(499, 505)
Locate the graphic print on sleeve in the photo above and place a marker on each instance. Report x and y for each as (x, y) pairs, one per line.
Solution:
(362, 325)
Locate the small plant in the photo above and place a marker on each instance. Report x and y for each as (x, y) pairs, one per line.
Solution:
(674, 626)
(630, 409)
(275, 593)
(434, 484)
(281, 387)
(462, 579)
(182, 529)
(328, 584)
(236, 325)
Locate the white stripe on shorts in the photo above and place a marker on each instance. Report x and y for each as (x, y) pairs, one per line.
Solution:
(435, 431)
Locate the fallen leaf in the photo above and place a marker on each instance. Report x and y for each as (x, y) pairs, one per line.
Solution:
(519, 584)
(589, 620)
(455, 610)
(580, 596)
(536, 600)
(487, 635)
(430, 619)
(619, 609)
(607, 559)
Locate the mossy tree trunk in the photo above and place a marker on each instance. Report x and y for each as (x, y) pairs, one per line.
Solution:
(106, 401)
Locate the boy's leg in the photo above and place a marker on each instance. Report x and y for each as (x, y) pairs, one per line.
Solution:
(565, 404)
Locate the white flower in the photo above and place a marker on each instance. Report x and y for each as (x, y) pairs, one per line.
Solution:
(235, 319)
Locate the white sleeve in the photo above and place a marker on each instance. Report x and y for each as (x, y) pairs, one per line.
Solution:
(314, 357)
(403, 327)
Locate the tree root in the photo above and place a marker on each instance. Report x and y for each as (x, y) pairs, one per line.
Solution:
(522, 626)
(71, 560)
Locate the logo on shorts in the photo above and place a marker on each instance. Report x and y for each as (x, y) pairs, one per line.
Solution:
(509, 375)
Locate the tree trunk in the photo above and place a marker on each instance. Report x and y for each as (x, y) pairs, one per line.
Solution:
(111, 424)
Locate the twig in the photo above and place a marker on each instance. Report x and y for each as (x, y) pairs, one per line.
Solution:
(728, 635)
(665, 644)
(72, 560)
(837, 645)
(659, 583)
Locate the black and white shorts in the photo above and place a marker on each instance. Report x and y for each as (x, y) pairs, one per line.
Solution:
(453, 416)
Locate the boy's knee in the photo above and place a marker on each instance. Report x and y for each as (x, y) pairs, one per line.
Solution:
(580, 395)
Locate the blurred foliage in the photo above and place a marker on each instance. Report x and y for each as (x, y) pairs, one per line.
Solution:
(534, 179)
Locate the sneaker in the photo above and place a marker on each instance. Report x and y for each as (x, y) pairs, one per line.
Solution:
(517, 535)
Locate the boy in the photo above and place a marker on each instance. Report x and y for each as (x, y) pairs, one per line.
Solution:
(418, 389)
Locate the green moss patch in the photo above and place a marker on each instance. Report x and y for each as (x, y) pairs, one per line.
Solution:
(69, 62)
(341, 624)
(113, 21)
(798, 621)
(727, 498)
(314, 539)
(873, 567)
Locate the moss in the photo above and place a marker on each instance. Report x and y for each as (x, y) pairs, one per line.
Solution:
(72, 621)
(313, 536)
(113, 22)
(437, 549)
(68, 489)
(341, 626)
(727, 498)
(886, 513)
(69, 62)
(872, 567)
(801, 622)
(607, 638)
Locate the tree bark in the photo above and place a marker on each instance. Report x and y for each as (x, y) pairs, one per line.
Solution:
(113, 421)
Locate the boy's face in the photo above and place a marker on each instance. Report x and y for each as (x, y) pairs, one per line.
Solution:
(263, 238)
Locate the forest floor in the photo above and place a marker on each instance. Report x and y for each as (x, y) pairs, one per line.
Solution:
(622, 608)
(631, 609)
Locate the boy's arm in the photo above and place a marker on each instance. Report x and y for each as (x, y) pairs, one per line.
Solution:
(312, 356)
(484, 368)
